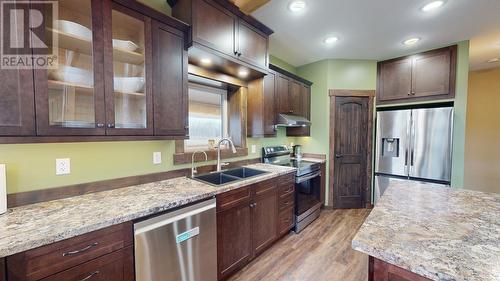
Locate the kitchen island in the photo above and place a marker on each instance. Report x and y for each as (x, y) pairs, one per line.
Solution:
(426, 232)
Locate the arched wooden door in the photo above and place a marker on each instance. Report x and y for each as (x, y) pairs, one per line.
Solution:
(350, 149)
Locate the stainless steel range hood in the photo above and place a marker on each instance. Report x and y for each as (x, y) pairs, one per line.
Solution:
(288, 120)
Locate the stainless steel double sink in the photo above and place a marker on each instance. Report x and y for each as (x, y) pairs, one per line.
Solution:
(229, 176)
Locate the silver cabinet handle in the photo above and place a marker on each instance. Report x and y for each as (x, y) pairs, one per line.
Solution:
(100, 125)
(111, 125)
(300, 180)
(90, 275)
(70, 253)
(338, 155)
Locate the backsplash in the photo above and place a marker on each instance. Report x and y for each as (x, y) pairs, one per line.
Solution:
(32, 166)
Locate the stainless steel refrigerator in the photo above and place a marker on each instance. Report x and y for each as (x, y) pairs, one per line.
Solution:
(413, 144)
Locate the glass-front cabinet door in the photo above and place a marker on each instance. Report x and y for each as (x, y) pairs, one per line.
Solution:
(70, 97)
(127, 62)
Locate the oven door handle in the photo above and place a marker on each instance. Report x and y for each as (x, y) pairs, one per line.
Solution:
(303, 179)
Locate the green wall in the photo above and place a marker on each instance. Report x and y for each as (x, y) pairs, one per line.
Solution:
(32, 166)
(282, 64)
(326, 75)
(160, 5)
(461, 90)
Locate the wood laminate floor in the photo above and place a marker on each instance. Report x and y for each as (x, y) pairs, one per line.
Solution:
(322, 251)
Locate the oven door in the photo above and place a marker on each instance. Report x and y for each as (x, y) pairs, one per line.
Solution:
(307, 192)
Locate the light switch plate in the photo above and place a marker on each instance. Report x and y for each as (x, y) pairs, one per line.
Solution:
(254, 148)
(63, 166)
(156, 158)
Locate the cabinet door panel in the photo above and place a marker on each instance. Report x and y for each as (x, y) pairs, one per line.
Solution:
(70, 98)
(264, 219)
(17, 103)
(269, 104)
(128, 70)
(233, 239)
(214, 27)
(282, 91)
(170, 83)
(295, 98)
(2, 269)
(395, 79)
(431, 74)
(252, 45)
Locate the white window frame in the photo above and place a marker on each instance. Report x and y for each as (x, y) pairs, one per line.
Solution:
(224, 115)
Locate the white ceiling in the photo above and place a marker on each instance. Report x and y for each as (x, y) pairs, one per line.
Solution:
(375, 29)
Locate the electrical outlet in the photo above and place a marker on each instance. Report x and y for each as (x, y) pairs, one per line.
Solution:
(156, 158)
(254, 148)
(63, 166)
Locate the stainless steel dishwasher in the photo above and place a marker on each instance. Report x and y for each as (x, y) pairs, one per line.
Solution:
(180, 245)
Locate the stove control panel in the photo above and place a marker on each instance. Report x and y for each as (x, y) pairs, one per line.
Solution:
(275, 150)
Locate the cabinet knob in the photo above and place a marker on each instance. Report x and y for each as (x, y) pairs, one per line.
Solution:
(100, 125)
(111, 125)
(236, 52)
(409, 93)
(186, 127)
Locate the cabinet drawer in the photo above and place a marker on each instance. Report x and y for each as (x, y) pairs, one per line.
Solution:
(286, 221)
(286, 201)
(232, 198)
(47, 260)
(287, 188)
(265, 186)
(117, 266)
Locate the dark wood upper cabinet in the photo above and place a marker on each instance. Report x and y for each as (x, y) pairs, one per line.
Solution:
(170, 86)
(70, 98)
(261, 116)
(426, 76)
(264, 216)
(295, 98)
(213, 26)
(283, 94)
(395, 79)
(17, 110)
(226, 36)
(102, 88)
(252, 45)
(433, 74)
(128, 75)
(305, 111)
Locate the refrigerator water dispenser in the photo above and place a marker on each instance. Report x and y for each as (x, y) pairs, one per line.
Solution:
(390, 147)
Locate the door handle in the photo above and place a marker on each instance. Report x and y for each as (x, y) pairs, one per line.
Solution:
(411, 157)
(338, 155)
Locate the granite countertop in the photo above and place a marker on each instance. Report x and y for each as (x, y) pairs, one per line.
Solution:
(439, 233)
(35, 225)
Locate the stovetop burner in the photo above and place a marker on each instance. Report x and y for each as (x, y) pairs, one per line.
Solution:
(280, 155)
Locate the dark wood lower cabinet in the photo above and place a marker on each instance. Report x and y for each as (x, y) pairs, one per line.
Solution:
(233, 238)
(117, 266)
(101, 254)
(2, 269)
(250, 220)
(264, 216)
(381, 271)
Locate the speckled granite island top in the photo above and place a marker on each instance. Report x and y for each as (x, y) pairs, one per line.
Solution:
(439, 233)
(31, 226)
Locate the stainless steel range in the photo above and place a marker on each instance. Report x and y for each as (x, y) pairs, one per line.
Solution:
(307, 183)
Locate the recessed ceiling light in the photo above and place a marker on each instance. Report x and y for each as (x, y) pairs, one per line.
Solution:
(494, 60)
(206, 61)
(330, 40)
(297, 6)
(432, 5)
(243, 73)
(411, 41)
